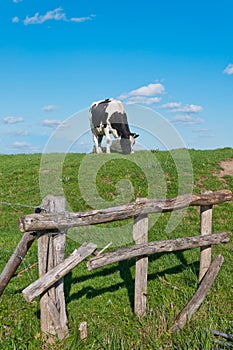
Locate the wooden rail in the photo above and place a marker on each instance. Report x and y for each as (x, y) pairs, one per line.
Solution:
(169, 245)
(60, 221)
(59, 271)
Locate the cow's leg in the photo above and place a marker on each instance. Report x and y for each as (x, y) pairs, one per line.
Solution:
(97, 141)
(115, 134)
(100, 137)
(108, 140)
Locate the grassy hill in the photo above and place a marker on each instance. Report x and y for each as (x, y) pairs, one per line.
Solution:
(104, 297)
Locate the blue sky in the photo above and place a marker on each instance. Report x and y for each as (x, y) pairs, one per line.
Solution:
(172, 57)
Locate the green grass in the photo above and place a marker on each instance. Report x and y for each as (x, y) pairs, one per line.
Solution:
(104, 297)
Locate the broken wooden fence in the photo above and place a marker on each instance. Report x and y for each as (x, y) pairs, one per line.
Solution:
(50, 227)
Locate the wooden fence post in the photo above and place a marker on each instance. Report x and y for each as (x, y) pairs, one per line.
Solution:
(51, 252)
(140, 235)
(16, 259)
(206, 229)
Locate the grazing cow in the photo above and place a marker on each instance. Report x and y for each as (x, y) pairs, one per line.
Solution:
(109, 117)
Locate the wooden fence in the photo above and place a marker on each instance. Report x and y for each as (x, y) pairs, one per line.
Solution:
(51, 222)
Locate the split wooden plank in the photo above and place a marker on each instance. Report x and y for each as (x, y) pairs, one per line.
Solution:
(156, 247)
(58, 272)
(55, 316)
(48, 255)
(44, 250)
(200, 294)
(206, 229)
(59, 244)
(140, 236)
(41, 222)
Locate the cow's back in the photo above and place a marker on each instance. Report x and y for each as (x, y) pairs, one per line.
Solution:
(98, 113)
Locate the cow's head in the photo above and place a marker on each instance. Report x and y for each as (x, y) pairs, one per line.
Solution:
(127, 144)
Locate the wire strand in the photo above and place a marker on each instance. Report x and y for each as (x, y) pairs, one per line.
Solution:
(19, 205)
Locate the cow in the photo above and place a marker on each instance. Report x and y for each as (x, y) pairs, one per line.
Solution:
(109, 117)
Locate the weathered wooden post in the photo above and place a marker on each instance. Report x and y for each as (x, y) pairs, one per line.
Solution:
(16, 259)
(51, 252)
(140, 235)
(206, 229)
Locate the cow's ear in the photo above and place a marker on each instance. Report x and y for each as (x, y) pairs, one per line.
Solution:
(135, 135)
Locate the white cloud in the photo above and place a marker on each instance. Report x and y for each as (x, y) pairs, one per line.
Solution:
(15, 19)
(49, 108)
(16, 1)
(142, 100)
(229, 69)
(177, 107)
(22, 145)
(171, 105)
(54, 123)
(56, 15)
(20, 133)
(144, 95)
(186, 120)
(81, 19)
(149, 90)
(13, 120)
(188, 109)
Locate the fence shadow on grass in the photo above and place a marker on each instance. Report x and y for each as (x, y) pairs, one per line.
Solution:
(124, 267)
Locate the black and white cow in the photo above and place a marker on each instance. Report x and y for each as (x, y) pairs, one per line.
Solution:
(109, 117)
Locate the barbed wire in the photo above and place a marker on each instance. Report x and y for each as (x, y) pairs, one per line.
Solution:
(37, 208)
(19, 205)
